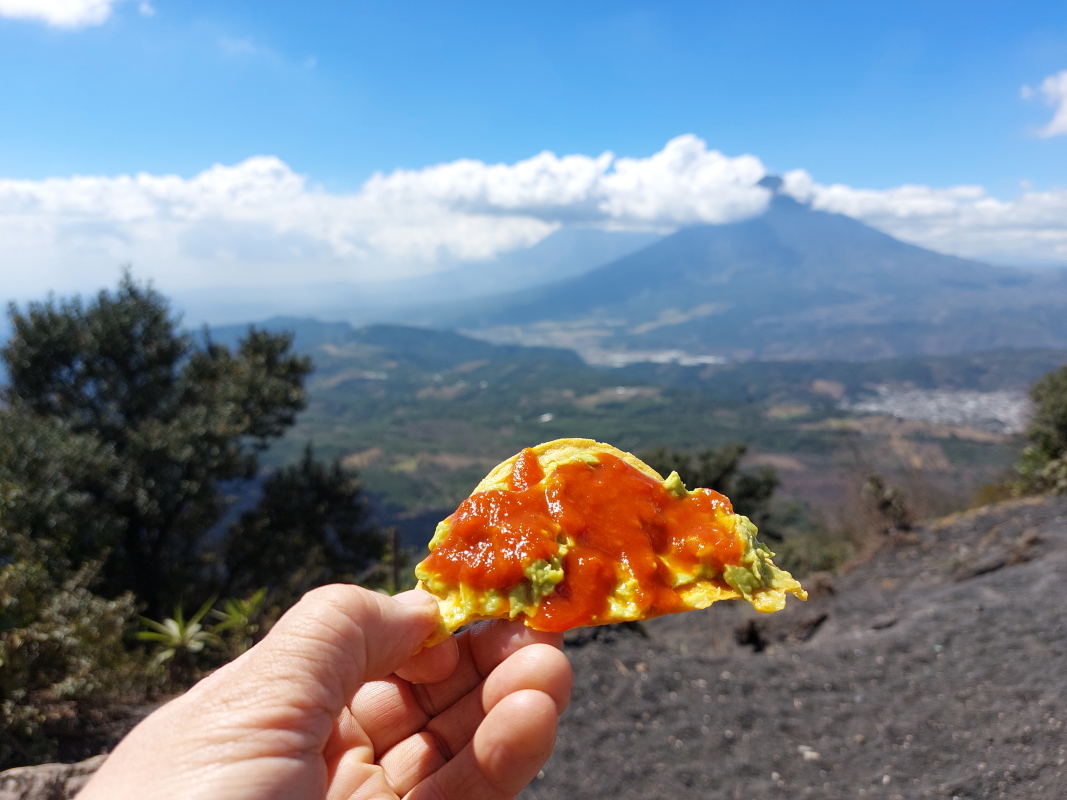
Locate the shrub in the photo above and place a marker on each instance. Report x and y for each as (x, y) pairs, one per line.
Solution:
(61, 654)
(817, 550)
(240, 621)
(1043, 467)
(888, 503)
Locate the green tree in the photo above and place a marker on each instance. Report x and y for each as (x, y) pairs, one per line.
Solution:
(61, 654)
(720, 469)
(310, 528)
(163, 418)
(61, 645)
(1044, 463)
(53, 478)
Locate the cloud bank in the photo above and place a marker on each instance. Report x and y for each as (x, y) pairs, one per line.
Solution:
(960, 220)
(258, 223)
(684, 183)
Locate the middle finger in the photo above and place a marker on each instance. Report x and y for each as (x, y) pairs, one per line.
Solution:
(392, 710)
(415, 758)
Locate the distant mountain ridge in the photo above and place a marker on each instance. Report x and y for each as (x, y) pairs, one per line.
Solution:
(422, 347)
(563, 254)
(794, 283)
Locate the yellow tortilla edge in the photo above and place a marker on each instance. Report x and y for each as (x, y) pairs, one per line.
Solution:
(552, 455)
(447, 623)
(696, 595)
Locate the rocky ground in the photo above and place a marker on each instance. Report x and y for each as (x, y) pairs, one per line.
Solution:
(935, 668)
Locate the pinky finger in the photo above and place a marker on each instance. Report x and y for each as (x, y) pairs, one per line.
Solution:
(513, 742)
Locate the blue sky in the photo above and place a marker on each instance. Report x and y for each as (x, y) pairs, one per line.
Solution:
(863, 93)
(870, 96)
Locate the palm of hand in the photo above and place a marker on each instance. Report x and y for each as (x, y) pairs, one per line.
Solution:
(333, 705)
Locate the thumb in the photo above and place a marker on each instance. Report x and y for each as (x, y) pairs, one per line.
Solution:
(334, 639)
(296, 680)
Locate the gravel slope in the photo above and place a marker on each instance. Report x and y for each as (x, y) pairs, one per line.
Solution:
(937, 668)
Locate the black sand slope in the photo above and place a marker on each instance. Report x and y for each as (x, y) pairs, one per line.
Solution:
(937, 668)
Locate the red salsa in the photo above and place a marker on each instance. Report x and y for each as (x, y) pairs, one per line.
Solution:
(620, 520)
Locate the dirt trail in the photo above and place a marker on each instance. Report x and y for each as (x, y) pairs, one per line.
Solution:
(938, 668)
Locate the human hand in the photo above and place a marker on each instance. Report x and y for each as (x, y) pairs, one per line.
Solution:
(333, 704)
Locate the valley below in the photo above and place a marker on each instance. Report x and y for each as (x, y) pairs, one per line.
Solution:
(423, 415)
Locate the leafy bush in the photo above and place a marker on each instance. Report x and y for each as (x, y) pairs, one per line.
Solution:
(811, 540)
(190, 648)
(1048, 426)
(817, 550)
(889, 505)
(61, 646)
(994, 493)
(61, 654)
(1041, 475)
(239, 621)
(1043, 466)
(118, 435)
(51, 482)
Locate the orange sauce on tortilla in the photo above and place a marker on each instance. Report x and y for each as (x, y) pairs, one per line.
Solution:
(623, 523)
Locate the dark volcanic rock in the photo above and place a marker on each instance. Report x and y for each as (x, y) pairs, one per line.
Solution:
(938, 670)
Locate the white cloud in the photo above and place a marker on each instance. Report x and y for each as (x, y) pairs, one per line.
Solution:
(961, 220)
(1054, 90)
(684, 183)
(250, 223)
(258, 223)
(62, 13)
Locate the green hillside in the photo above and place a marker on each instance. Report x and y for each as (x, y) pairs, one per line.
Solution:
(423, 414)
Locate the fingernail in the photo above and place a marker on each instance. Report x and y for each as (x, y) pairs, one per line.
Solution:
(416, 597)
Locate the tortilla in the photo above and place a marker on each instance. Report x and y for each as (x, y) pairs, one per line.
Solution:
(575, 532)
